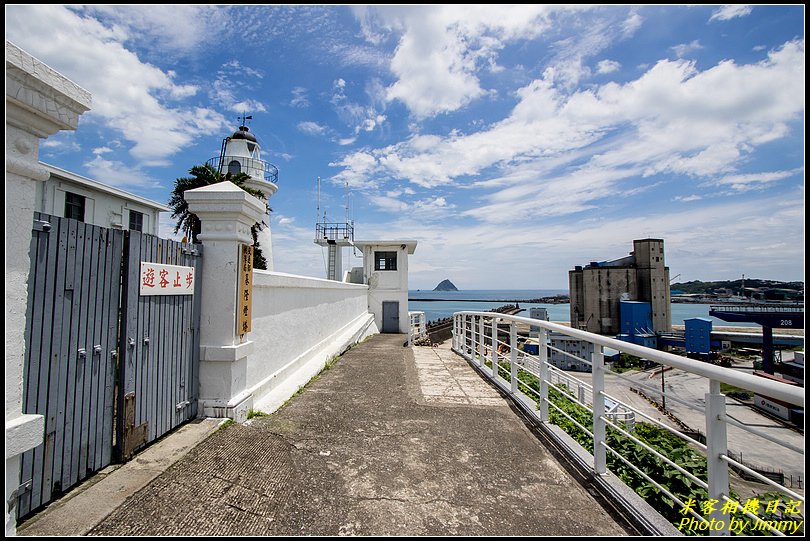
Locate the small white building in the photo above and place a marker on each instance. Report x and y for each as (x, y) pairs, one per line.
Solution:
(574, 347)
(69, 195)
(385, 271)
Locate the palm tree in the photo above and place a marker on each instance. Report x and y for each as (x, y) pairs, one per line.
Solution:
(189, 224)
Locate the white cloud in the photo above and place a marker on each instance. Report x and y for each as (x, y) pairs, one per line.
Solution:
(607, 66)
(631, 24)
(311, 128)
(441, 47)
(724, 13)
(169, 29)
(430, 209)
(283, 220)
(59, 143)
(116, 173)
(688, 198)
(752, 181)
(684, 49)
(129, 95)
(233, 78)
(360, 118)
(574, 149)
(540, 254)
(299, 98)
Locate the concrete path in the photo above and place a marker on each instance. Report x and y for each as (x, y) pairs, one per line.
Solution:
(389, 441)
(86, 505)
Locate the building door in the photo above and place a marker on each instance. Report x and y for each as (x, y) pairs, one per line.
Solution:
(390, 310)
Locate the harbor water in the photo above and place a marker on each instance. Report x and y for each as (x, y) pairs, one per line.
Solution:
(444, 304)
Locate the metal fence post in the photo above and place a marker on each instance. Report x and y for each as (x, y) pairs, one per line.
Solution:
(495, 348)
(513, 368)
(455, 332)
(481, 340)
(717, 445)
(599, 426)
(467, 336)
(542, 353)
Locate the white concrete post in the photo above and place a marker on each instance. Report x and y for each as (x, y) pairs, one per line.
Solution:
(513, 368)
(542, 353)
(717, 445)
(599, 425)
(226, 213)
(39, 103)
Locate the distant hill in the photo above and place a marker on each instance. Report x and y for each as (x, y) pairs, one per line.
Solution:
(764, 289)
(445, 285)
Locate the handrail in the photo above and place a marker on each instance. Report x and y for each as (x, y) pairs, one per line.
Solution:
(791, 394)
(477, 337)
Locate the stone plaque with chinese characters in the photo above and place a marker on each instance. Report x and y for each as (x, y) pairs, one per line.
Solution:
(244, 302)
(160, 279)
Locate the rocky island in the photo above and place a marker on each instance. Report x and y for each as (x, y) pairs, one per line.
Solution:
(445, 285)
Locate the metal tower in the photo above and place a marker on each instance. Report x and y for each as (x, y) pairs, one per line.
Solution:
(335, 236)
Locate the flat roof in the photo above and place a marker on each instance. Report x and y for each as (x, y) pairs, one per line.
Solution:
(409, 244)
(96, 185)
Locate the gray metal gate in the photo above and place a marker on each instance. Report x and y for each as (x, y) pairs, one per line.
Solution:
(159, 347)
(82, 309)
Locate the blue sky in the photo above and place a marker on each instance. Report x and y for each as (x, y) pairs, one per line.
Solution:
(513, 142)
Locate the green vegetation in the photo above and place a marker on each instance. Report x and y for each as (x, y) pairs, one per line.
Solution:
(329, 364)
(674, 448)
(189, 224)
(225, 424)
(759, 289)
(627, 362)
(735, 392)
(252, 414)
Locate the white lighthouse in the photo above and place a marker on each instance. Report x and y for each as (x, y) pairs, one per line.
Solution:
(241, 153)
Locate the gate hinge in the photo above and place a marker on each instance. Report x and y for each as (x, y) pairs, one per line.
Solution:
(42, 225)
(22, 489)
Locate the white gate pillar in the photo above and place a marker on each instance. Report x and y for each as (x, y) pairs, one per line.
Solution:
(226, 213)
(39, 103)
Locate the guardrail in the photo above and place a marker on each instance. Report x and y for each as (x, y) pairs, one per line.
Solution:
(477, 337)
(258, 169)
(418, 327)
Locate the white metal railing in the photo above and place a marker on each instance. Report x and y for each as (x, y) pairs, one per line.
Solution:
(418, 327)
(480, 338)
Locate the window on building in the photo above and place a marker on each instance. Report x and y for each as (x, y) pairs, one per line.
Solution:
(74, 206)
(385, 261)
(135, 221)
(234, 167)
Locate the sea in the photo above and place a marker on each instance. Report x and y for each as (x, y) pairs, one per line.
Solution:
(450, 302)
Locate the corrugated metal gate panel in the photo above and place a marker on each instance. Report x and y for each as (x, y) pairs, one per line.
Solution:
(96, 351)
(159, 345)
(71, 337)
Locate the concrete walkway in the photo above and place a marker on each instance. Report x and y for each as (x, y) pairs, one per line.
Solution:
(389, 441)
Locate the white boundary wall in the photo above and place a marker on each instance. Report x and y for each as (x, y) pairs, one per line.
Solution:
(298, 324)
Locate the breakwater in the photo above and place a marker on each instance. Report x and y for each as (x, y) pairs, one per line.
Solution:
(557, 299)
